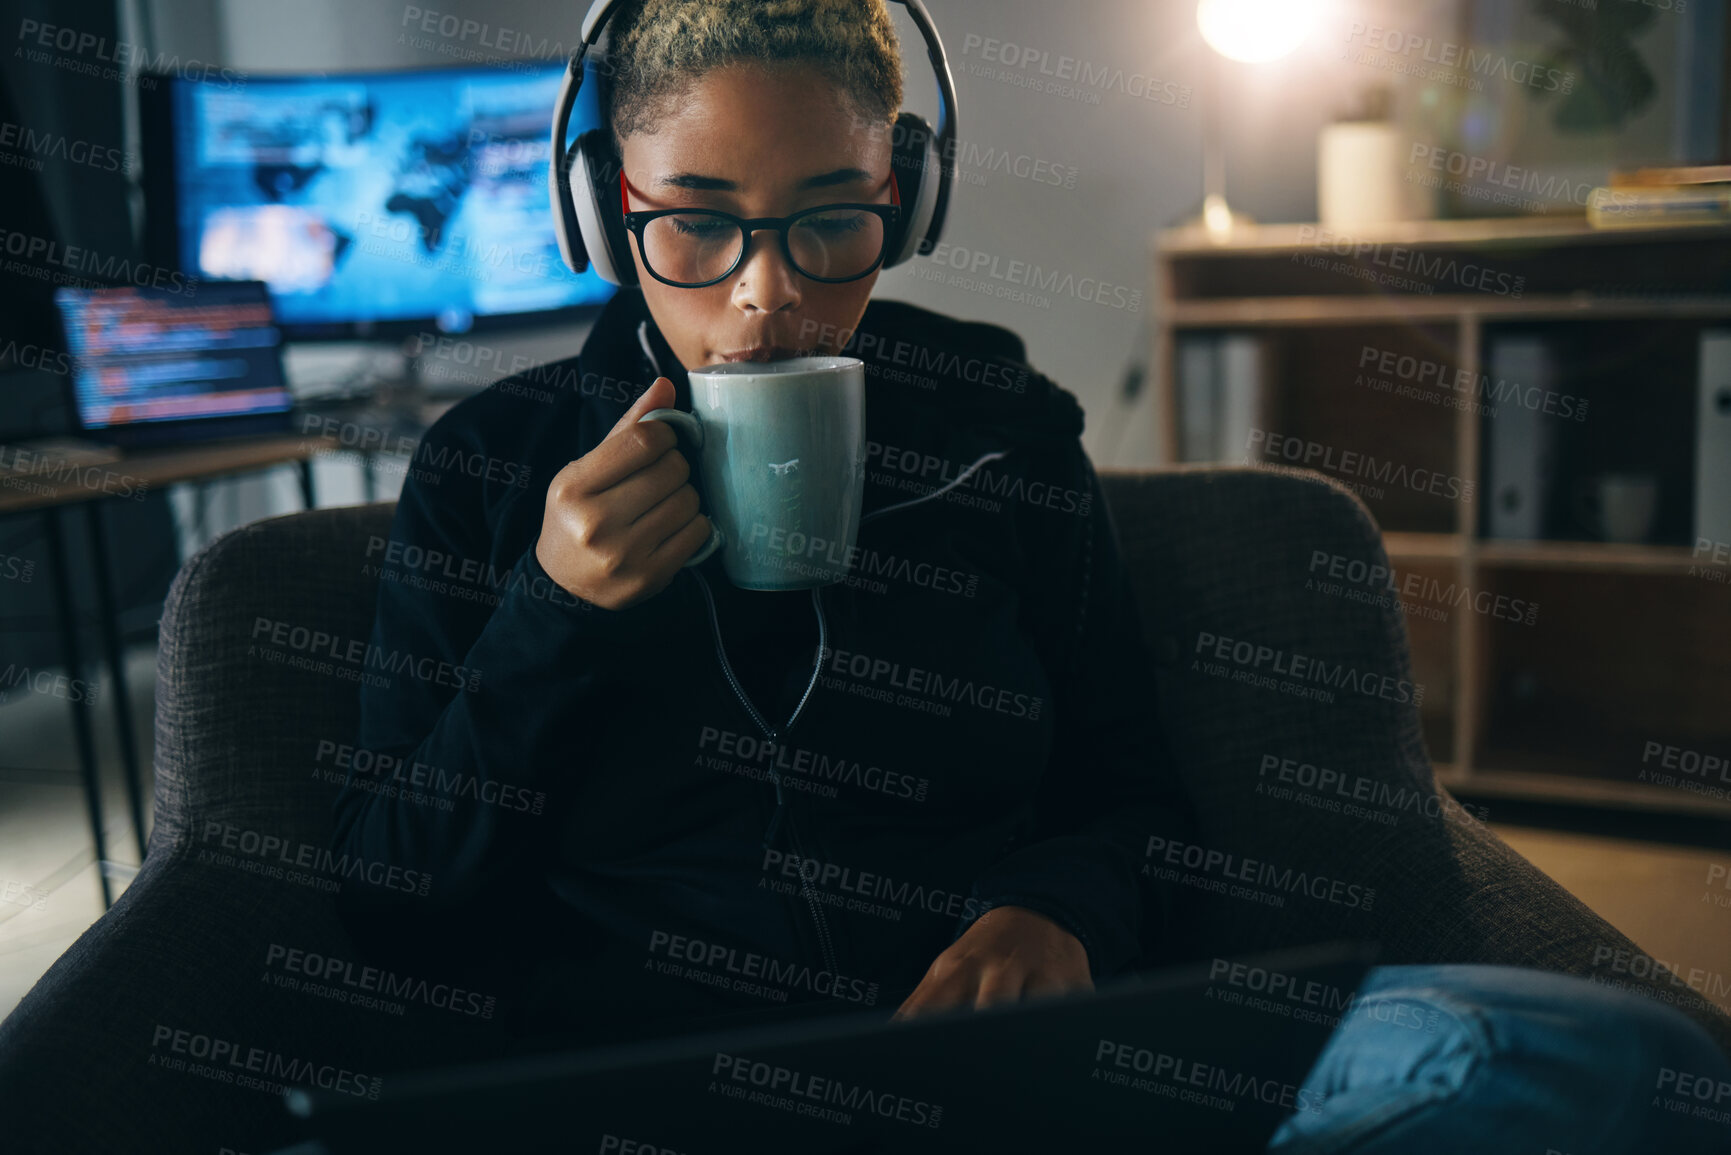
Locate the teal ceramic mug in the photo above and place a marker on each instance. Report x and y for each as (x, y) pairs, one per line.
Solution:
(780, 455)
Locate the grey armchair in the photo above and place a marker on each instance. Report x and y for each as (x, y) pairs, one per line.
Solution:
(88, 1061)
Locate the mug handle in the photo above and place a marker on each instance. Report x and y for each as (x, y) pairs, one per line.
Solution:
(688, 424)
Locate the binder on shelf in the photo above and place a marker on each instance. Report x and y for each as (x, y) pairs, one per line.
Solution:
(1520, 451)
(1220, 396)
(1196, 386)
(1239, 394)
(1713, 441)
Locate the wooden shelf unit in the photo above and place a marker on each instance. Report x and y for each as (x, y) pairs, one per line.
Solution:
(1520, 716)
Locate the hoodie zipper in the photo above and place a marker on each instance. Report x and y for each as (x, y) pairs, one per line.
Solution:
(825, 941)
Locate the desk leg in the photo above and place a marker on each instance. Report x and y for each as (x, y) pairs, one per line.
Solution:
(116, 656)
(200, 538)
(308, 499)
(75, 669)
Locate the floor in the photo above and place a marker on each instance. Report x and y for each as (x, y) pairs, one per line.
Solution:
(1670, 900)
(45, 841)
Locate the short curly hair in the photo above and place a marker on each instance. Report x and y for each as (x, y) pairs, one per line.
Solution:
(658, 49)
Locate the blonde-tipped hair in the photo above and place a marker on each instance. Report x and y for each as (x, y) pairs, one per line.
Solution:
(657, 49)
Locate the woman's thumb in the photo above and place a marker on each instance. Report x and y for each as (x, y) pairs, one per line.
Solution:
(659, 395)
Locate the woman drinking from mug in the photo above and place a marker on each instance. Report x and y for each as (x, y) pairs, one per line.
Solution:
(665, 771)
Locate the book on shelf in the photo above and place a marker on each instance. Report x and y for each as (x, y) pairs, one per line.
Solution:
(1659, 206)
(1220, 395)
(1671, 177)
(1196, 385)
(1240, 394)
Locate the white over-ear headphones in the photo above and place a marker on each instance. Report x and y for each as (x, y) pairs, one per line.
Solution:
(588, 213)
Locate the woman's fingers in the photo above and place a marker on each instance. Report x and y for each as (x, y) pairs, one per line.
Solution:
(1009, 954)
(999, 984)
(666, 518)
(933, 994)
(684, 542)
(945, 985)
(1051, 982)
(971, 984)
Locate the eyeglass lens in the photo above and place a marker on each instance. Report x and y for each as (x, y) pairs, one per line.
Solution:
(695, 247)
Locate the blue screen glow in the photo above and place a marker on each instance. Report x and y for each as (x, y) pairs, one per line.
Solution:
(379, 197)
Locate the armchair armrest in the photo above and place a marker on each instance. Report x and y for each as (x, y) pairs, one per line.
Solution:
(106, 1052)
(82, 1058)
(1289, 704)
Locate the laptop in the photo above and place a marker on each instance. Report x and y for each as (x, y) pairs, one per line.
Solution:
(1207, 1056)
(158, 365)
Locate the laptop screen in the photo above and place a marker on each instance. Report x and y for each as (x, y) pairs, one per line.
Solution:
(143, 355)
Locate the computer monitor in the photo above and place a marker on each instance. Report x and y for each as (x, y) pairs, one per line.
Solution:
(160, 364)
(373, 204)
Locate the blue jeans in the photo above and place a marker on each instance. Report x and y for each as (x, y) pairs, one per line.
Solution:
(1438, 1060)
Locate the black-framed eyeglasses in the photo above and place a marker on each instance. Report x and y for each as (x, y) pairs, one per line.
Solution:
(693, 248)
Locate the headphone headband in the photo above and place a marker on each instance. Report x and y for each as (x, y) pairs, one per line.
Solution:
(578, 250)
(945, 140)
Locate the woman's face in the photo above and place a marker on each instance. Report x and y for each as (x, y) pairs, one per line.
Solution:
(757, 143)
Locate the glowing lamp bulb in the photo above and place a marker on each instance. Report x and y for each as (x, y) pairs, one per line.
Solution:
(1255, 30)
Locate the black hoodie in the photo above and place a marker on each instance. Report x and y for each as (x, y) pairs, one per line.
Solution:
(725, 798)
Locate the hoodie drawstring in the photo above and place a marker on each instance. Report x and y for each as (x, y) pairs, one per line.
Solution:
(775, 734)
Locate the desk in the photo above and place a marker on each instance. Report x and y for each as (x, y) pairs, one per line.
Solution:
(51, 490)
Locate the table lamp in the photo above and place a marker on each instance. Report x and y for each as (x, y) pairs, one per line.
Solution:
(1251, 32)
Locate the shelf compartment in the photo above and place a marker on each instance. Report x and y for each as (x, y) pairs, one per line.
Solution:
(1320, 395)
(1616, 664)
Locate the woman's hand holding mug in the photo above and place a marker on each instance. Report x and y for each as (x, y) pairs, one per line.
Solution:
(621, 520)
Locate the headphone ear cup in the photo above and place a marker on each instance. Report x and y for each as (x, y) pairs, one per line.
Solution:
(914, 160)
(600, 219)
